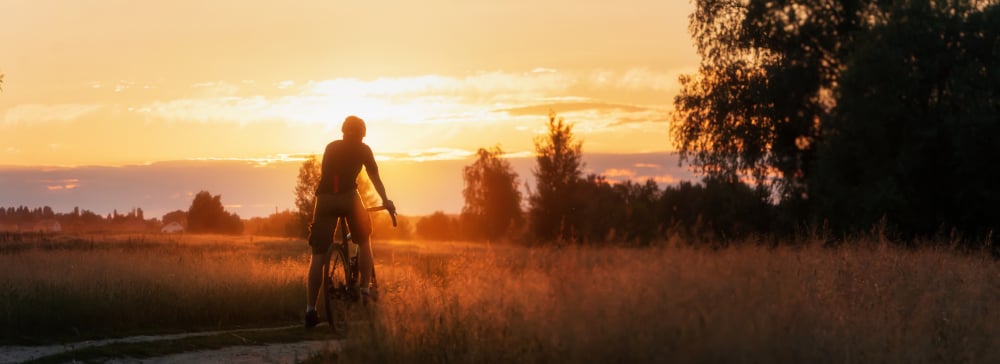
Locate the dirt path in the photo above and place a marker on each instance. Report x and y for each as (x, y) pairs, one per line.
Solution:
(268, 353)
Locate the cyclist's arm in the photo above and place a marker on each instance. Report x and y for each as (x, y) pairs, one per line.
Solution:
(372, 169)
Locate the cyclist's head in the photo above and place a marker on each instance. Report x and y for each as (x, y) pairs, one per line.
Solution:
(353, 127)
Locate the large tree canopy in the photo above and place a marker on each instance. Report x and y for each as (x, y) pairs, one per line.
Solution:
(912, 136)
(765, 79)
(857, 109)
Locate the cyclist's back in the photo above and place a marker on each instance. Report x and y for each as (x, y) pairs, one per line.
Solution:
(342, 163)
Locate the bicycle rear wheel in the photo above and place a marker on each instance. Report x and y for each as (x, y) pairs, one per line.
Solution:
(336, 290)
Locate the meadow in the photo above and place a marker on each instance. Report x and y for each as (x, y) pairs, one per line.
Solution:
(867, 301)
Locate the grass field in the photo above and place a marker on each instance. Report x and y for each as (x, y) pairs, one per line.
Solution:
(462, 302)
(81, 287)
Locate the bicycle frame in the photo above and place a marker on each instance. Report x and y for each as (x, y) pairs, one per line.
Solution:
(352, 264)
(346, 291)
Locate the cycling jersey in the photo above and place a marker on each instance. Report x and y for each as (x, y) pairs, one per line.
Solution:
(342, 162)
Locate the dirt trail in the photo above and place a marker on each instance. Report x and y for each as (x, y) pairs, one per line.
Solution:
(269, 353)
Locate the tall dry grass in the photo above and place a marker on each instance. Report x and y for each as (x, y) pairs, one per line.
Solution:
(475, 303)
(71, 287)
(740, 304)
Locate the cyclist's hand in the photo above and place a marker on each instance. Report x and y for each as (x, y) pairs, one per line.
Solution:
(389, 206)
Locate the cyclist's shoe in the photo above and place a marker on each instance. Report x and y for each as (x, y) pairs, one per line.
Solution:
(312, 319)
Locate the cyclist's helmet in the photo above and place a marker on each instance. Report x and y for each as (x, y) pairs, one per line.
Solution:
(353, 125)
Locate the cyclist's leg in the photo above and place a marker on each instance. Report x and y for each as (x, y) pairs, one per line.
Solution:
(320, 238)
(361, 230)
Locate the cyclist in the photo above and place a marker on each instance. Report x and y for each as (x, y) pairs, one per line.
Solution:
(337, 196)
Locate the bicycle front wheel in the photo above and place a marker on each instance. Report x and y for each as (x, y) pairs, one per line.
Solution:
(336, 291)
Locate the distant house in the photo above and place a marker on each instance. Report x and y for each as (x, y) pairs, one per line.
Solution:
(48, 226)
(172, 227)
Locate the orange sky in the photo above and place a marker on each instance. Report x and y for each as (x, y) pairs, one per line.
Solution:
(115, 82)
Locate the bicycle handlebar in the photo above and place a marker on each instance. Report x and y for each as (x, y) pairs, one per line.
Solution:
(392, 214)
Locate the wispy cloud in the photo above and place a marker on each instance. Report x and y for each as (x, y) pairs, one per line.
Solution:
(218, 88)
(638, 79)
(563, 107)
(29, 114)
(620, 175)
(665, 179)
(259, 161)
(429, 154)
(62, 184)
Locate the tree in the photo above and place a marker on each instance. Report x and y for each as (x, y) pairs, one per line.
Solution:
(178, 216)
(640, 207)
(437, 226)
(207, 215)
(854, 110)
(602, 210)
(766, 79)
(305, 192)
(911, 138)
(284, 223)
(492, 198)
(557, 173)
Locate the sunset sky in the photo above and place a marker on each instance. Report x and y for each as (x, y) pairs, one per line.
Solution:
(125, 83)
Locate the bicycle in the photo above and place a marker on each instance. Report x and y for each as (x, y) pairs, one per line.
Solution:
(341, 276)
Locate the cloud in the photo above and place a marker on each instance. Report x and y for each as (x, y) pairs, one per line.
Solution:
(218, 88)
(62, 184)
(621, 175)
(665, 179)
(30, 114)
(640, 79)
(618, 172)
(258, 161)
(566, 107)
(430, 154)
(647, 116)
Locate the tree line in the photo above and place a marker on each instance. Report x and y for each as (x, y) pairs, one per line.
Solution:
(205, 215)
(567, 206)
(23, 218)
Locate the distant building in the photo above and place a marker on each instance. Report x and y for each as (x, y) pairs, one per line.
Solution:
(48, 226)
(172, 227)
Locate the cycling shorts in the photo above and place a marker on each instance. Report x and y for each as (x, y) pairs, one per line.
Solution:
(331, 207)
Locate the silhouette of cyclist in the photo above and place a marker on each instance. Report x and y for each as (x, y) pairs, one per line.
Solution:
(337, 196)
